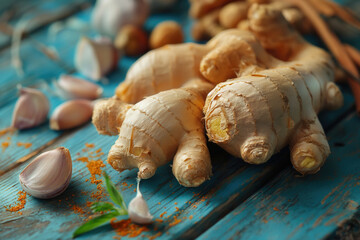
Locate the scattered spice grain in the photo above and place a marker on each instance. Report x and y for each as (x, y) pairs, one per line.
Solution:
(127, 228)
(21, 201)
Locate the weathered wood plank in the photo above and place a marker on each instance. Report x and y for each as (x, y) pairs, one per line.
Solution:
(231, 184)
(207, 202)
(36, 14)
(291, 207)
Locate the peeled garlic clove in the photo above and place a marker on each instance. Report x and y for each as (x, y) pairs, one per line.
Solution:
(79, 88)
(95, 59)
(31, 109)
(48, 175)
(71, 114)
(138, 209)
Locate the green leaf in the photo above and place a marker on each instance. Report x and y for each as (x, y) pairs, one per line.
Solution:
(102, 206)
(94, 223)
(114, 194)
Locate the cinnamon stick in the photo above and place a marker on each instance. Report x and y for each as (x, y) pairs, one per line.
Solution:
(333, 43)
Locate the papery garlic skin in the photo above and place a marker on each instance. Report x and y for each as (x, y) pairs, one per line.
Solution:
(48, 175)
(138, 209)
(31, 109)
(109, 16)
(71, 114)
(79, 88)
(95, 58)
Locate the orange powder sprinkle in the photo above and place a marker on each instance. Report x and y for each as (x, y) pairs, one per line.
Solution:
(20, 205)
(175, 203)
(7, 130)
(177, 209)
(159, 220)
(26, 145)
(90, 145)
(161, 215)
(175, 222)
(276, 209)
(99, 150)
(77, 209)
(191, 217)
(83, 159)
(94, 168)
(155, 236)
(286, 212)
(127, 228)
(5, 145)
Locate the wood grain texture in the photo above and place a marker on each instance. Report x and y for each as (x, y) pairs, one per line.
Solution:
(310, 207)
(35, 14)
(198, 208)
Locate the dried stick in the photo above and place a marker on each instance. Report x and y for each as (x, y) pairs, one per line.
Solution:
(333, 43)
(353, 53)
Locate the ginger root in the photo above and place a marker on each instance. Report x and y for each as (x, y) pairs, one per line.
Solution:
(271, 85)
(162, 127)
(256, 115)
(234, 14)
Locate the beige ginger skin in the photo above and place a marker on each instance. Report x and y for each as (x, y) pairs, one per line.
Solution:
(163, 127)
(277, 84)
(256, 115)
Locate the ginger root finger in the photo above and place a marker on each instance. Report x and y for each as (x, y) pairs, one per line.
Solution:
(161, 69)
(108, 115)
(309, 147)
(154, 128)
(192, 165)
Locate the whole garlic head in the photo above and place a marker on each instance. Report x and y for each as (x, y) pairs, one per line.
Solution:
(110, 16)
(48, 175)
(31, 109)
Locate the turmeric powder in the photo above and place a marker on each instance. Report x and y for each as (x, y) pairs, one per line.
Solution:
(5, 145)
(26, 145)
(127, 228)
(21, 201)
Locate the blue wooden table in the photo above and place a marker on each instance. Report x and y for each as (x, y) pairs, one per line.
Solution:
(241, 201)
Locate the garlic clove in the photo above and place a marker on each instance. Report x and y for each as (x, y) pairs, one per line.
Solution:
(31, 109)
(138, 209)
(95, 58)
(48, 175)
(71, 114)
(79, 88)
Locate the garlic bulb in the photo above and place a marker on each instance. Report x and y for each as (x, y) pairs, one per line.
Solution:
(110, 16)
(31, 109)
(75, 87)
(95, 58)
(71, 114)
(48, 175)
(138, 209)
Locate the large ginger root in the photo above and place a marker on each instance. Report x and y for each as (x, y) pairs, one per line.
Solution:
(169, 124)
(254, 116)
(162, 127)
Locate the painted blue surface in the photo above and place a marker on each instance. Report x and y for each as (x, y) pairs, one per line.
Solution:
(310, 207)
(254, 191)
